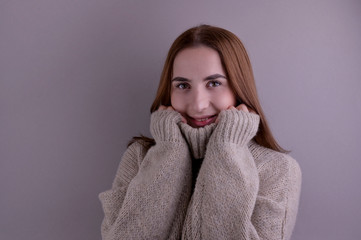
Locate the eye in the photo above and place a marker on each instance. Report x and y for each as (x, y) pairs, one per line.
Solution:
(182, 86)
(213, 84)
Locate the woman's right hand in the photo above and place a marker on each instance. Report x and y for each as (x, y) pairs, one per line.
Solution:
(164, 124)
(162, 107)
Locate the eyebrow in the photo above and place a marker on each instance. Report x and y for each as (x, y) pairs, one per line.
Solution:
(215, 76)
(211, 77)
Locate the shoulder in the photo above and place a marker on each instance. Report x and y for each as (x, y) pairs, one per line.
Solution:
(270, 163)
(137, 150)
(129, 164)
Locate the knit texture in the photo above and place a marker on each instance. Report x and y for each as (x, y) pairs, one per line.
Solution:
(197, 138)
(242, 190)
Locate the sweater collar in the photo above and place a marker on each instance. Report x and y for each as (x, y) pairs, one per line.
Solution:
(197, 138)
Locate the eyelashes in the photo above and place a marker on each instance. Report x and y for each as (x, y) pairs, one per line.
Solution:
(182, 86)
(210, 84)
(213, 84)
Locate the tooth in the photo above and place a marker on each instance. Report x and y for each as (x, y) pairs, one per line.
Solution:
(202, 119)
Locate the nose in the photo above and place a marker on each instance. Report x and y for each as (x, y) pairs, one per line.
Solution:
(200, 101)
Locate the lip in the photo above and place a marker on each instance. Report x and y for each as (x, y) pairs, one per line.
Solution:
(202, 121)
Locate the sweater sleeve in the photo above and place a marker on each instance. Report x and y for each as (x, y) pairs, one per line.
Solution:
(228, 202)
(149, 196)
(276, 207)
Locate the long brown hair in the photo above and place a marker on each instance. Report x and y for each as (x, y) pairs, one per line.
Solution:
(237, 67)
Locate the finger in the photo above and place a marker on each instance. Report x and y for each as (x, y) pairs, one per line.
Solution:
(239, 107)
(243, 107)
(162, 107)
(251, 111)
(184, 120)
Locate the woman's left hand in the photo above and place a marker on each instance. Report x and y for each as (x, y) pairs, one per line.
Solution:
(244, 108)
(240, 107)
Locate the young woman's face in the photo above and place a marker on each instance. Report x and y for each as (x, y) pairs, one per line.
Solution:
(200, 89)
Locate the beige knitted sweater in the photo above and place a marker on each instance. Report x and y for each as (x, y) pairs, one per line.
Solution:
(242, 190)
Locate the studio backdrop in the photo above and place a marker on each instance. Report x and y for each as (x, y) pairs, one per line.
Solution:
(77, 78)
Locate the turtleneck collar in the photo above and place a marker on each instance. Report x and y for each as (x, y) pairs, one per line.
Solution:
(197, 138)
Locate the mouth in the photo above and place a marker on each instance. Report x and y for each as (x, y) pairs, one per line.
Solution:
(201, 121)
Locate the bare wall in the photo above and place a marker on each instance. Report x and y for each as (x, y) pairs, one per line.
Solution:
(77, 78)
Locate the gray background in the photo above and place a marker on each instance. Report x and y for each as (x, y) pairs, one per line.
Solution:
(78, 77)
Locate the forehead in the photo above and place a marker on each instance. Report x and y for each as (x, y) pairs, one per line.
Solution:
(200, 60)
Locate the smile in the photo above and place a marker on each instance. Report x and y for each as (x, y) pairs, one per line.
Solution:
(203, 121)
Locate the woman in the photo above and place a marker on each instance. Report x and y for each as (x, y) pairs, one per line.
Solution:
(213, 169)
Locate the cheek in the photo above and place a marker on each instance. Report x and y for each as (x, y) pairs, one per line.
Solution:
(225, 100)
(177, 102)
